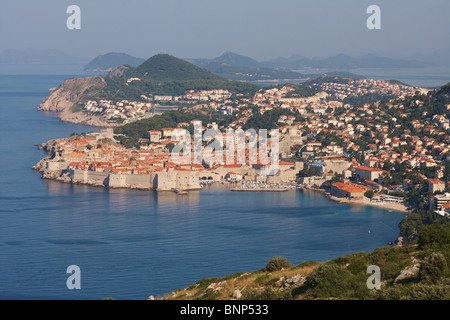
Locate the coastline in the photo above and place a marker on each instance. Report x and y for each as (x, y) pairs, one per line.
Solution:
(259, 189)
(384, 205)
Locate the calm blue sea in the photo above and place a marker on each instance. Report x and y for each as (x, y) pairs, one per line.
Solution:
(132, 244)
(417, 77)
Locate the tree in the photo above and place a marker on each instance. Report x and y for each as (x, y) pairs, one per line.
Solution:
(387, 166)
(434, 235)
(170, 146)
(277, 263)
(414, 197)
(328, 280)
(369, 194)
(433, 268)
(429, 292)
(307, 172)
(447, 170)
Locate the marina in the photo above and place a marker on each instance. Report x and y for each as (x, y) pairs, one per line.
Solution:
(261, 186)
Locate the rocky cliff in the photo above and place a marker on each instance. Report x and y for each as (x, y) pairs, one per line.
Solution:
(69, 93)
(64, 97)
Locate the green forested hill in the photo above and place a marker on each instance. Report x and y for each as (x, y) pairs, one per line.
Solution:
(163, 74)
(164, 67)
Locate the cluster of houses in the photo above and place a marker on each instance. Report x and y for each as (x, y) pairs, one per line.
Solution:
(225, 102)
(366, 86)
(120, 110)
(99, 152)
(128, 111)
(422, 144)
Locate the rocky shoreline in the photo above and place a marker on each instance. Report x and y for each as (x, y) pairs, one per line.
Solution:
(62, 100)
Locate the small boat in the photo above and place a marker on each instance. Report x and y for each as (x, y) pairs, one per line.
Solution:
(180, 191)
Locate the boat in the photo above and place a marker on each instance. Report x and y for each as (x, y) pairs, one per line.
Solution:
(177, 191)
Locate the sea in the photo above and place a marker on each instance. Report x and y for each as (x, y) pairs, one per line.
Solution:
(430, 77)
(132, 244)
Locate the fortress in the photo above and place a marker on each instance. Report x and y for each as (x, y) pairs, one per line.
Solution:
(161, 181)
(98, 167)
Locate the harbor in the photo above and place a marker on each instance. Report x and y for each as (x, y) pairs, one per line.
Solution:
(261, 186)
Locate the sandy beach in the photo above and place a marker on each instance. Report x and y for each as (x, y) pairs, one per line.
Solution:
(367, 202)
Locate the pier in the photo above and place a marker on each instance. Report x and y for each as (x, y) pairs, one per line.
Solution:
(261, 186)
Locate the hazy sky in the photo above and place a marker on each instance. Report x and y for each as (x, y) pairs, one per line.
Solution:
(261, 29)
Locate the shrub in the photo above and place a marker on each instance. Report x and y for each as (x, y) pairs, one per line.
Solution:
(435, 234)
(266, 294)
(209, 294)
(204, 283)
(277, 263)
(429, 292)
(357, 266)
(328, 281)
(233, 276)
(262, 279)
(390, 293)
(307, 264)
(433, 268)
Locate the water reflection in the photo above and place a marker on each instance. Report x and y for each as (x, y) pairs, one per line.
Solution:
(121, 199)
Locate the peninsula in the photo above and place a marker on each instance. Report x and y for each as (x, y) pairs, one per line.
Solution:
(128, 93)
(360, 140)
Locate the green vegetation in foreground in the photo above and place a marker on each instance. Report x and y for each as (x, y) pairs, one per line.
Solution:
(418, 271)
(407, 273)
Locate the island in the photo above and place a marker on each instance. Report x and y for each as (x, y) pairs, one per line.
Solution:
(107, 62)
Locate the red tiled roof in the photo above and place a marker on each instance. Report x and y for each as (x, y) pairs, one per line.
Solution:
(349, 187)
(369, 169)
(436, 181)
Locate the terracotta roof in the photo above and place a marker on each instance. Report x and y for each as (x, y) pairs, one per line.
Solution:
(350, 187)
(436, 181)
(369, 169)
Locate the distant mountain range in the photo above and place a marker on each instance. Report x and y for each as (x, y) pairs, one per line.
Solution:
(232, 65)
(345, 62)
(109, 61)
(238, 67)
(294, 62)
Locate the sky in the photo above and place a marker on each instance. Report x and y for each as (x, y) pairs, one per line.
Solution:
(260, 29)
